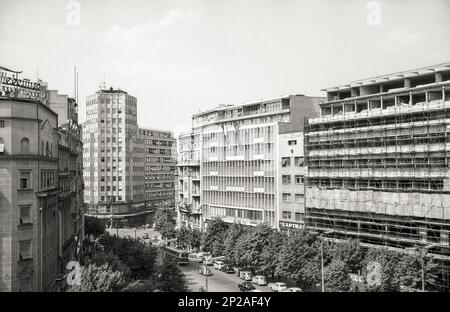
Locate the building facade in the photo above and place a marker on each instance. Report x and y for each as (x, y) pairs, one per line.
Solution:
(189, 212)
(159, 168)
(129, 171)
(240, 157)
(292, 183)
(70, 179)
(31, 162)
(377, 161)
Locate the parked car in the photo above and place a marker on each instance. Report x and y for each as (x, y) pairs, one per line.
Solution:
(204, 270)
(218, 265)
(227, 269)
(246, 286)
(278, 286)
(246, 275)
(255, 290)
(293, 289)
(145, 236)
(259, 280)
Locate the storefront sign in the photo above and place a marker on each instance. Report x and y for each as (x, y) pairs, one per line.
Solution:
(290, 225)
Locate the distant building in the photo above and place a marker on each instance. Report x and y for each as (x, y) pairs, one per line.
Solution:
(122, 161)
(189, 212)
(378, 162)
(159, 168)
(239, 155)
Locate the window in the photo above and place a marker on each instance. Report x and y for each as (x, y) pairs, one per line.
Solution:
(299, 179)
(287, 214)
(285, 161)
(25, 214)
(292, 142)
(2, 123)
(2, 146)
(299, 198)
(286, 197)
(286, 179)
(25, 249)
(299, 161)
(298, 216)
(25, 146)
(25, 180)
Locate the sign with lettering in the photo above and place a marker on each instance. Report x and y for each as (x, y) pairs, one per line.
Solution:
(11, 85)
(290, 225)
(74, 276)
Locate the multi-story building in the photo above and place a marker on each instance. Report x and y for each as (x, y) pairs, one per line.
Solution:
(70, 171)
(378, 161)
(159, 168)
(129, 171)
(291, 188)
(239, 157)
(29, 189)
(189, 212)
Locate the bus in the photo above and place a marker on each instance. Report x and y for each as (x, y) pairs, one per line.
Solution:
(176, 255)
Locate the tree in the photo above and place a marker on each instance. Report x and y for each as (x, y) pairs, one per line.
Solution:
(214, 237)
(300, 259)
(409, 271)
(336, 276)
(235, 231)
(183, 238)
(351, 252)
(165, 225)
(141, 286)
(140, 259)
(270, 255)
(101, 258)
(93, 226)
(169, 278)
(102, 278)
(379, 270)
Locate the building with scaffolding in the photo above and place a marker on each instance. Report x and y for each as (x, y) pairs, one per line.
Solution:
(235, 154)
(378, 162)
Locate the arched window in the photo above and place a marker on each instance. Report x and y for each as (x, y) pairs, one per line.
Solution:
(47, 150)
(25, 146)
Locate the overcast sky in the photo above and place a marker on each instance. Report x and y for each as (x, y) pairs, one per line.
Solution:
(179, 57)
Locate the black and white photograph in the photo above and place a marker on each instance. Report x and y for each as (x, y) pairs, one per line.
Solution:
(234, 147)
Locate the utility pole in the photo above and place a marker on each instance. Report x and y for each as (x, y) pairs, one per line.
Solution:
(321, 253)
(322, 261)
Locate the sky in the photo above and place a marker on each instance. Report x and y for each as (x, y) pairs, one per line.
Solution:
(182, 57)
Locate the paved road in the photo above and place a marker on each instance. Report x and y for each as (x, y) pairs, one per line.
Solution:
(218, 282)
(124, 232)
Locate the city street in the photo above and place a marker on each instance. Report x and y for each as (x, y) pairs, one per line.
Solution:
(218, 282)
(131, 232)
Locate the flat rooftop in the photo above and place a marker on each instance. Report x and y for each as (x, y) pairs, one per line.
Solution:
(392, 76)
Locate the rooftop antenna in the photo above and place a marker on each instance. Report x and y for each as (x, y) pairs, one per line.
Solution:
(75, 82)
(76, 99)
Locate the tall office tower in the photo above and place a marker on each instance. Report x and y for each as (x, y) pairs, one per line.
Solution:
(239, 157)
(113, 170)
(70, 172)
(159, 168)
(378, 162)
(189, 212)
(28, 186)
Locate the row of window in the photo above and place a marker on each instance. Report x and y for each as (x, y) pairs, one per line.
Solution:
(287, 197)
(286, 179)
(410, 184)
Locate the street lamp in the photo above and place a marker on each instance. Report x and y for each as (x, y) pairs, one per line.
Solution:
(422, 263)
(321, 253)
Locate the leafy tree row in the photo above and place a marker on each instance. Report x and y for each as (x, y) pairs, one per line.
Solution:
(297, 258)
